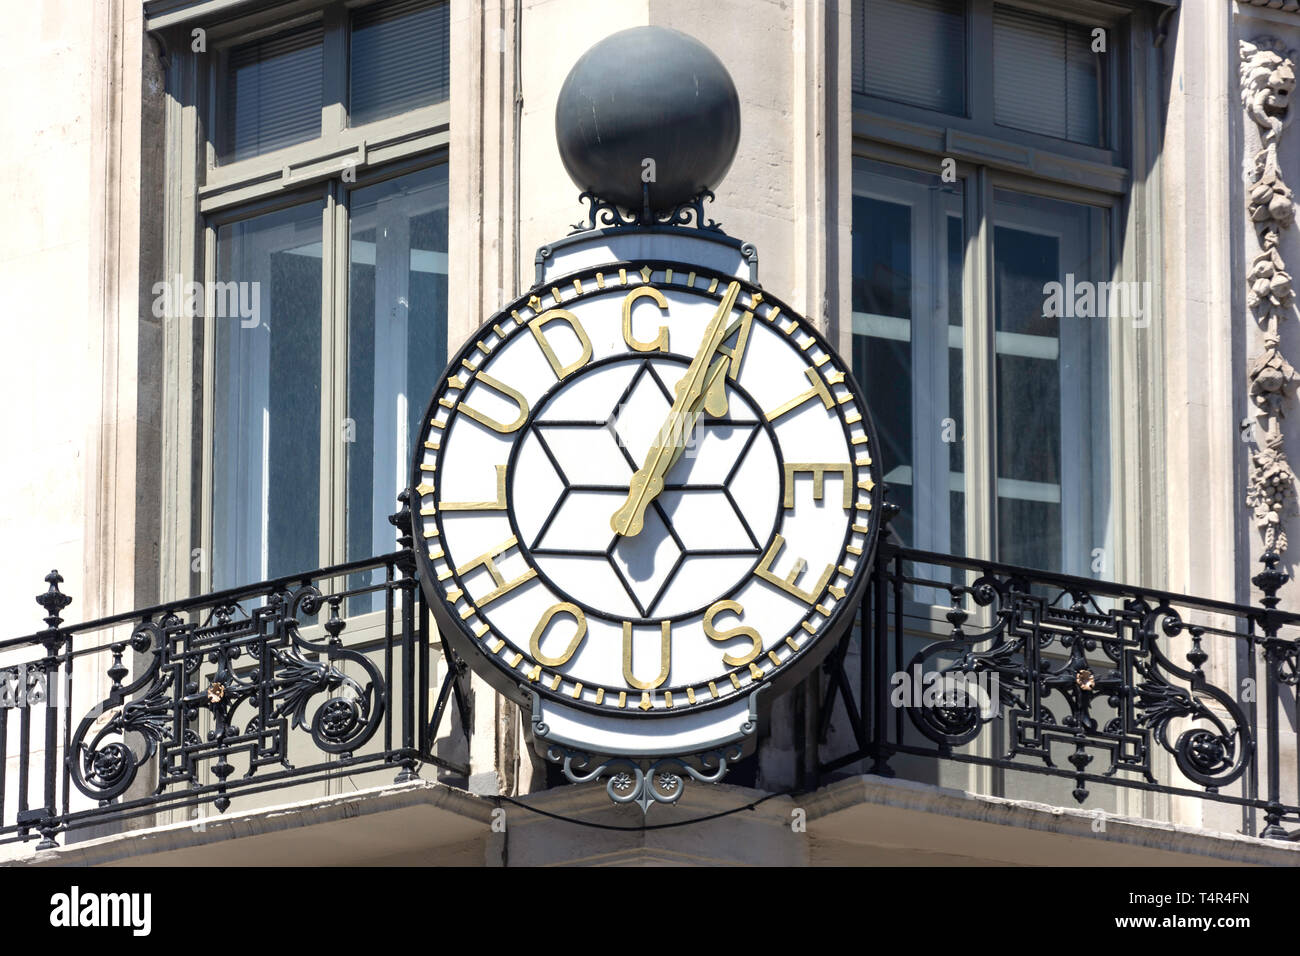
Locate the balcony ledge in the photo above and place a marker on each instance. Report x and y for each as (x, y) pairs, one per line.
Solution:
(881, 821)
(861, 820)
(418, 823)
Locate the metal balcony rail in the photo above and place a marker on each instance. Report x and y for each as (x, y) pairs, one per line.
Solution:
(241, 691)
(325, 674)
(1098, 683)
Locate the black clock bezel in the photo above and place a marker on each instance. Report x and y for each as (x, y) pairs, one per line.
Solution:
(508, 681)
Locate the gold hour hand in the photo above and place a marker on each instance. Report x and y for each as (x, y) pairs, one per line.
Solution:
(715, 388)
(694, 382)
(715, 395)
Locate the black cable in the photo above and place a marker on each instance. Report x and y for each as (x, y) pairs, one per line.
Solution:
(653, 826)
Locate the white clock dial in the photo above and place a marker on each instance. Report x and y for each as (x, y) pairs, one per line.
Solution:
(645, 489)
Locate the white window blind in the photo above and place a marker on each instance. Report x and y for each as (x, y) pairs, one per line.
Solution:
(400, 59)
(912, 51)
(273, 94)
(1046, 79)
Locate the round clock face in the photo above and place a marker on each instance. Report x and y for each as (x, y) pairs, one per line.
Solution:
(645, 489)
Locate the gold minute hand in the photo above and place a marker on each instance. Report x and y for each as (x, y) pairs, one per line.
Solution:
(648, 481)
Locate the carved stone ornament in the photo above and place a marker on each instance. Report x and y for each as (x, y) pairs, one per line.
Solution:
(1286, 6)
(1267, 82)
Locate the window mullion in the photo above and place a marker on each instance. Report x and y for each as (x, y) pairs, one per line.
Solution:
(1074, 338)
(341, 427)
(979, 382)
(929, 387)
(208, 238)
(332, 357)
(979, 63)
(333, 118)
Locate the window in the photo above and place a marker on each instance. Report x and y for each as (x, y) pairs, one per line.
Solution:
(271, 401)
(1051, 407)
(397, 342)
(266, 391)
(321, 237)
(400, 59)
(993, 394)
(908, 239)
(912, 51)
(1046, 78)
(1022, 71)
(273, 93)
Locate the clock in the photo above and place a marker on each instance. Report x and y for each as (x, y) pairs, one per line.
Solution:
(644, 492)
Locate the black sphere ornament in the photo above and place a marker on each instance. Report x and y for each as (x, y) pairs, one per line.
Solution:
(647, 116)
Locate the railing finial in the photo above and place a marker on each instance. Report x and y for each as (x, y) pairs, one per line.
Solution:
(53, 600)
(1271, 579)
(401, 520)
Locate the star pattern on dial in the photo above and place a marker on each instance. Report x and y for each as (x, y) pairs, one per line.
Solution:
(696, 515)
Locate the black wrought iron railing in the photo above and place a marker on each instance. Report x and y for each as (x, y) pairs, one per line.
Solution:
(314, 677)
(1022, 671)
(238, 692)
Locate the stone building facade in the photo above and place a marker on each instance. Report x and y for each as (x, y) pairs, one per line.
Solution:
(915, 174)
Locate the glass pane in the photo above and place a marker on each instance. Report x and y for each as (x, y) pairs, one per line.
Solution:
(882, 363)
(273, 94)
(397, 334)
(908, 243)
(1046, 79)
(1052, 314)
(912, 51)
(266, 441)
(401, 58)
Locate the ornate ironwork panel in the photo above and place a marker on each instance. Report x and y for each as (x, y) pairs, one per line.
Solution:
(1098, 683)
(245, 689)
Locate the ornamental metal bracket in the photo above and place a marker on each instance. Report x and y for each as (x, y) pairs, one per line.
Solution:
(602, 213)
(1267, 82)
(646, 780)
(643, 782)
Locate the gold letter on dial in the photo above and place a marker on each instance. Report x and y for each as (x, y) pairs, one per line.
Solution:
(660, 343)
(487, 561)
(665, 657)
(818, 471)
(755, 642)
(534, 645)
(818, 390)
(562, 315)
(504, 390)
(787, 583)
(498, 504)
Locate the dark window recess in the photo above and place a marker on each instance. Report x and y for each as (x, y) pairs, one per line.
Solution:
(401, 59)
(273, 94)
(911, 51)
(1046, 79)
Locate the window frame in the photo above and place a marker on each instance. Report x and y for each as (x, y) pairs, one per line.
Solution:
(930, 468)
(200, 195)
(339, 144)
(1079, 522)
(991, 158)
(977, 137)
